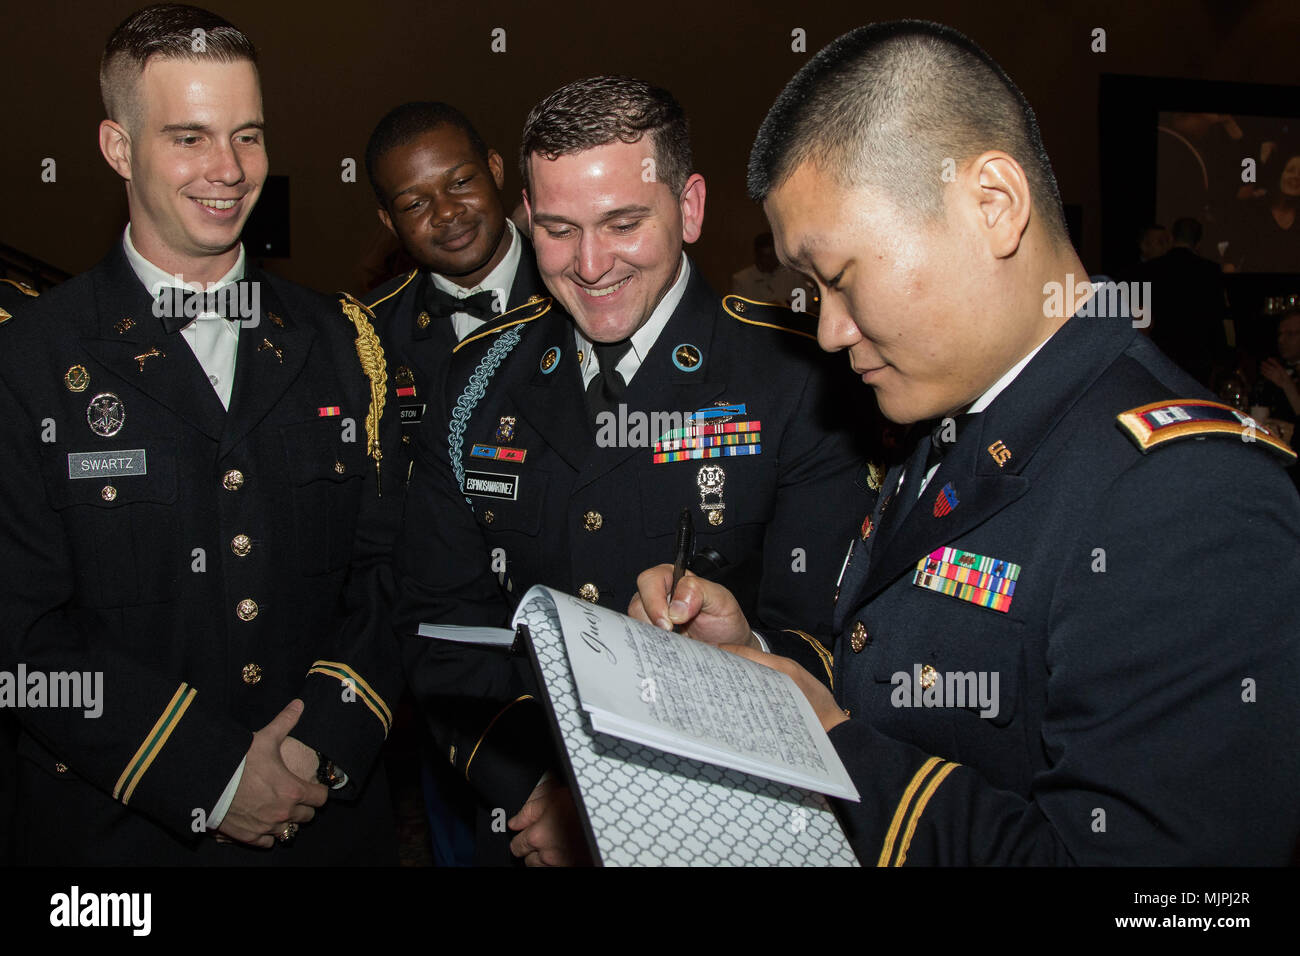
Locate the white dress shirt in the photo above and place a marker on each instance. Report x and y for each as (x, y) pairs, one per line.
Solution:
(499, 280)
(643, 339)
(213, 340)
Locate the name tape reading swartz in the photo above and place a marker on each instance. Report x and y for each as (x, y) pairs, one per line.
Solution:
(107, 464)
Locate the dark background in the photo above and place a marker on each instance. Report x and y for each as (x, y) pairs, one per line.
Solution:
(330, 70)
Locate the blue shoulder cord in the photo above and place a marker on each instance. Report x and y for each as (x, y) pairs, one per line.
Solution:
(475, 389)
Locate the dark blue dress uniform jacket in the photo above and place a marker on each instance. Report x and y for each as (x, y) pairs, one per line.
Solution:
(419, 347)
(1149, 678)
(588, 519)
(147, 585)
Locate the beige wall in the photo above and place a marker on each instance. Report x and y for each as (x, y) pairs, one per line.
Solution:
(330, 70)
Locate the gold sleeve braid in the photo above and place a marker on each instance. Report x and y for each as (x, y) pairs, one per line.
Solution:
(371, 354)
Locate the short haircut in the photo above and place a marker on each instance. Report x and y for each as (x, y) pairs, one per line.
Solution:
(887, 104)
(1187, 231)
(406, 123)
(604, 109)
(164, 31)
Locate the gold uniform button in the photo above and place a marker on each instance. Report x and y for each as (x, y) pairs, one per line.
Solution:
(423, 320)
(858, 640)
(232, 480)
(592, 520)
(406, 439)
(338, 467)
(60, 768)
(241, 544)
(108, 493)
(928, 676)
(489, 517)
(246, 609)
(715, 517)
(451, 754)
(589, 592)
(252, 673)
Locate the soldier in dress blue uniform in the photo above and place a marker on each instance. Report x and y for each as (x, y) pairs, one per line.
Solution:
(194, 510)
(579, 435)
(1040, 655)
(14, 295)
(438, 186)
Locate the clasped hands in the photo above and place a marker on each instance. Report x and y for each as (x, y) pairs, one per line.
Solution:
(278, 786)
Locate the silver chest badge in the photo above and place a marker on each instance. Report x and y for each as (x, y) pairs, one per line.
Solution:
(105, 414)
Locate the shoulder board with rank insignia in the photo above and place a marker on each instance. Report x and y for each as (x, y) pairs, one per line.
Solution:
(1158, 423)
(770, 315)
(534, 308)
(400, 286)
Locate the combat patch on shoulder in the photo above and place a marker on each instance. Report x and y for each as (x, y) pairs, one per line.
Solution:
(770, 315)
(1158, 423)
(534, 308)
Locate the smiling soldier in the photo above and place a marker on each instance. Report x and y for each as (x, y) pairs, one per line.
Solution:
(530, 493)
(193, 507)
(1071, 506)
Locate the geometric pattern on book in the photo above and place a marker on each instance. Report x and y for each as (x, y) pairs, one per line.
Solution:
(644, 808)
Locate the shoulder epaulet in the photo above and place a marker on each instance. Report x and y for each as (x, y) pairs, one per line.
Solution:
(1159, 423)
(22, 287)
(400, 286)
(770, 315)
(371, 354)
(536, 307)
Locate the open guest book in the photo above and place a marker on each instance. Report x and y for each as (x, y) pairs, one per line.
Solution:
(679, 754)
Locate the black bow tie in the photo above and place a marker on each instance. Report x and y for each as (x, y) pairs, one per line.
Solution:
(944, 433)
(177, 308)
(442, 305)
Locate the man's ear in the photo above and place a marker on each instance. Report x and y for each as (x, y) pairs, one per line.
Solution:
(692, 203)
(115, 144)
(1000, 191)
(497, 168)
(387, 220)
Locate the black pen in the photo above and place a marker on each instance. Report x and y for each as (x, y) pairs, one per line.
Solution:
(685, 548)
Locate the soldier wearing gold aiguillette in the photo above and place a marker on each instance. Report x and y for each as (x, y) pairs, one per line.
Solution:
(579, 435)
(192, 516)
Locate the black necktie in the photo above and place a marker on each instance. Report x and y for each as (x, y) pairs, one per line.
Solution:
(605, 390)
(179, 307)
(442, 305)
(943, 435)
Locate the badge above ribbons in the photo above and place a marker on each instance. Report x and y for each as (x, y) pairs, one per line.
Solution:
(711, 433)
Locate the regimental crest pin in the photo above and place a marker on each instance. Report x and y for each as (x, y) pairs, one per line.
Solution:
(550, 358)
(105, 414)
(76, 378)
(506, 428)
(124, 325)
(945, 500)
(867, 527)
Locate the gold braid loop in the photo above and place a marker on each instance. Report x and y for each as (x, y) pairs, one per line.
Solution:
(371, 354)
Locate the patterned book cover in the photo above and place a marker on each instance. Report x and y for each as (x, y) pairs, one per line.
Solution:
(646, 807)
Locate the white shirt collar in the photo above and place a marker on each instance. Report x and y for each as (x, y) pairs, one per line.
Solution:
(502, 277)
(996, 389)
(644, 338)
(154, 278)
